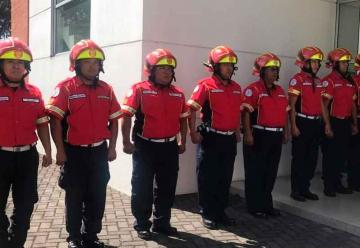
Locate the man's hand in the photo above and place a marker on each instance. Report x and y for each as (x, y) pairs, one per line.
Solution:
(196, 137)
(60, 157)
(46, 160)
(248, 139)
(128, 148)
(111, 154)
(295, 132)
(328, 131)
(182, 148)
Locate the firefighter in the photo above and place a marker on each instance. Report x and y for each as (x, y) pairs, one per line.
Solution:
(305, 102)
(354, 148)
(219, 98)
(339, 116)
(265, 130)
(160, 114)
(22, 112)
(84, 115)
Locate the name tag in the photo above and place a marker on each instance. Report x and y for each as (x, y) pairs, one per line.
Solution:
(4, 98)
(217, 91)
(263, 94)
(153, 92)
(175, 94)
(30, 100)
(77, 96)
(307, 83)
(237, 92)
(104, 97)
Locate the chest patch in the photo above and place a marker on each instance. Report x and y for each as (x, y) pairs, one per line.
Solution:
(77, 96)
(31, 100)
(4, 98)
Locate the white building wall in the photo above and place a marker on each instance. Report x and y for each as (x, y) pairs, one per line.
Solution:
(191, 28)
(130, 29)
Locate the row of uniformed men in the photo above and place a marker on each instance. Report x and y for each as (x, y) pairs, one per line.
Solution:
(84, 112)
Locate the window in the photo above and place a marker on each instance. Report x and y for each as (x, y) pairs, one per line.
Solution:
(71, 23)
(348, 24)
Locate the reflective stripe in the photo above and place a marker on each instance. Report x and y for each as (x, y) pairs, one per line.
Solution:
(42, 120)
(184, 115)
(317, 56)
(293, 91)
(229, 59)
(327, 95)
(91, 54)
(114, 115)
(128, 109)
(194, 104)
(56, 110)
(16, 54)
(346, 57)
(167, 61)
(273, 129)
(273, 62)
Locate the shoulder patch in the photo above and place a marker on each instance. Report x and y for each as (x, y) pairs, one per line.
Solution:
(248, 92)
(293, 82)
(56, 92)
(325, 83)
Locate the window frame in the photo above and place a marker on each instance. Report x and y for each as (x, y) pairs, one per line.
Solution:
(54, 6)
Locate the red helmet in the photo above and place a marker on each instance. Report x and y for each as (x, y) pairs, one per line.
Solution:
(308, 53)
(221, 54)
(85, 49)
(265, 60)
(14, 48)
(357, 63)
(338, 54)
(159, 57)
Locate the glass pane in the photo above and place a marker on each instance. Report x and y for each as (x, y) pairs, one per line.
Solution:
(348, 35)
(59, 1)
(72, 24)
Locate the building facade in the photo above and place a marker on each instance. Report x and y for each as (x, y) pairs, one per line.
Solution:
(128, 30)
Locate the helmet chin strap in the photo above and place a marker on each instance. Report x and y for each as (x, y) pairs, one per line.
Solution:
(20, 82)
(218, 73)
(154, 81)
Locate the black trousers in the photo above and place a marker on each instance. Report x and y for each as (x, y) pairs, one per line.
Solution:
(354, 161)
(261, 162)
(305, 149)
(216, 157)
(84, 178)
(18, 172)
(335, 153)
(159, 162)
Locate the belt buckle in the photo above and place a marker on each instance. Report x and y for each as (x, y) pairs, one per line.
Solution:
(17, 149)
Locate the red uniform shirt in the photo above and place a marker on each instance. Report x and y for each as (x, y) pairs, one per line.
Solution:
(357, 85)
(87, 110)
(220, 104)
(21, 110)
(269, 110)
(308, 90)
(341, 92)
(158, 110)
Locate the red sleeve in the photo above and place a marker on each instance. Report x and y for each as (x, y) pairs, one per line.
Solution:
(42, 117)
(115, 109)
(251, 96)
(185, 111)
(58, 104)
(198, 97)
(295, 86)
(131, 101)
(328, 89)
